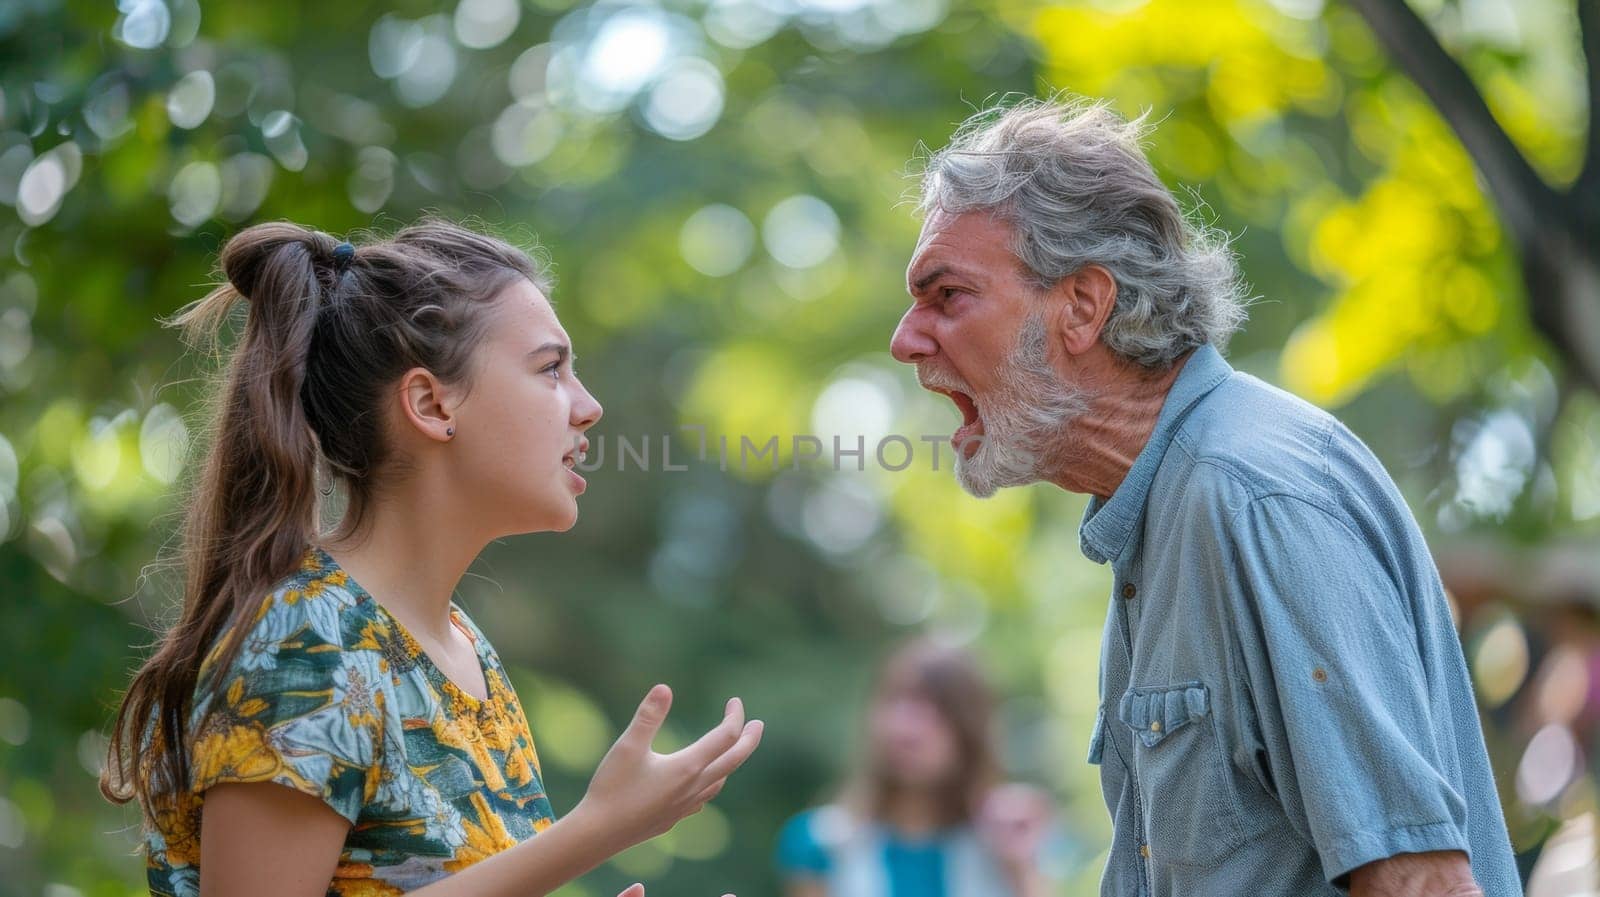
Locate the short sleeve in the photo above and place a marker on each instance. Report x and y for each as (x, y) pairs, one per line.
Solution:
(1338, 686)
(800, 853)
(295, 707)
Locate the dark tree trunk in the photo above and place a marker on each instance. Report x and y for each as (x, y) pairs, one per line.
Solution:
(1554, 230)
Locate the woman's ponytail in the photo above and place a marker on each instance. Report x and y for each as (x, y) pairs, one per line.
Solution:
(254, 504)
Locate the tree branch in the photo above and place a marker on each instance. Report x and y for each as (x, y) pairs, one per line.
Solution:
(1525, 200)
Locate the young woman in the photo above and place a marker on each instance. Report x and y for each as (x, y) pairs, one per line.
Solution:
(925, 817)
(323, 718)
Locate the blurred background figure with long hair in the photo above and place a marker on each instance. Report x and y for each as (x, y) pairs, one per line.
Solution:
(926, 814)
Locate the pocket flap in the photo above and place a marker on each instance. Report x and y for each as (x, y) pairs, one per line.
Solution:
(1154, 712)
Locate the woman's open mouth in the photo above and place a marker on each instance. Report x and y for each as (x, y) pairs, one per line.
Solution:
(572, 459)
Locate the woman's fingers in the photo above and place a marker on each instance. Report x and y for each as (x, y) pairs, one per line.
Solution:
(647, 719)
(708, 793)
(717, 741)
(634, 890)
(735, 755)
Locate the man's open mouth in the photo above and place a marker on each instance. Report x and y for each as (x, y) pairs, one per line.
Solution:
(971, 429)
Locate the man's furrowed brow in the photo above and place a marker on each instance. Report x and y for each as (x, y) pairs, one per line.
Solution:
(943, 270)
(922, 283)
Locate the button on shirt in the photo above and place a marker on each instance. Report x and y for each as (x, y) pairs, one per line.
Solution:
(1283, 696)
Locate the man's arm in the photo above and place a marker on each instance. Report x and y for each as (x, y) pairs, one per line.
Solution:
(1438, 873)
(1343, 707)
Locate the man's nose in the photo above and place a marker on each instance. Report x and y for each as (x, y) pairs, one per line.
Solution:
(910, 343)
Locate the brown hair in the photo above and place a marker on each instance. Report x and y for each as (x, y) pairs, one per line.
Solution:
(303, 387)
(950, 679)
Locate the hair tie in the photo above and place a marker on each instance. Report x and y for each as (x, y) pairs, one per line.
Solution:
(343, 254)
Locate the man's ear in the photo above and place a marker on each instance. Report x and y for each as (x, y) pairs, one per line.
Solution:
(1084, 300)
(426, 404)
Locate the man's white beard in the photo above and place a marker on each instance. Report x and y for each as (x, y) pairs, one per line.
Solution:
(1024, 422)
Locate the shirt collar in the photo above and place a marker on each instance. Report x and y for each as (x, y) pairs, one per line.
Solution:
(1107, 525)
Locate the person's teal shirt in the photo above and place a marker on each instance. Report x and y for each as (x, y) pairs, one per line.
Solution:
(1283, 696)
(915, 866)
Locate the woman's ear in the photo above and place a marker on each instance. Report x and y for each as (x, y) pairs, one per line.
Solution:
(427, 405)
(1084, 299)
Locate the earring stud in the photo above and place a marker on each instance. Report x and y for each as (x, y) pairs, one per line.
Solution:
(449, 431)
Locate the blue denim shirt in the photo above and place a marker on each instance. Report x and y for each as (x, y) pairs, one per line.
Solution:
(1283, 695)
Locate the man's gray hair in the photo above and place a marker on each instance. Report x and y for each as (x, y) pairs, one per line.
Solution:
(1071, 179)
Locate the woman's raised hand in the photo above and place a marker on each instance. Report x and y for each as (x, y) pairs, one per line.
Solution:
(637, 794)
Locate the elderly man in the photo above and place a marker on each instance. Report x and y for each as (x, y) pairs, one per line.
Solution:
(1284, 706)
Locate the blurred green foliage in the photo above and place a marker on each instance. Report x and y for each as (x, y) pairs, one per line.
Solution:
(720, 186)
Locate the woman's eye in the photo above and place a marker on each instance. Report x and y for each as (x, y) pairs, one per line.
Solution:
(553, 370)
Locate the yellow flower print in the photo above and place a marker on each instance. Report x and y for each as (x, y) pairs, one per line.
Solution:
(485, 837)
(356, 880)
(463, 734)
(237, 753)
(517, 769)
(328, 697)
(177, 816)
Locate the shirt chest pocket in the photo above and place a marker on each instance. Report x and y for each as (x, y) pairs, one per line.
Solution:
(1191, 813)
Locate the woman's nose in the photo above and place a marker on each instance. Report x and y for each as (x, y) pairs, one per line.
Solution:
(586, 411)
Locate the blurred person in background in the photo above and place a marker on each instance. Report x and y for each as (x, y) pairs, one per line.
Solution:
(323, 718)
(925, 815)
(1285, 708)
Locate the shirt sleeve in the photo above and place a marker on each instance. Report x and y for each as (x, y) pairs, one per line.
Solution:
(800, 854)
(294, 707)
(1338, 687)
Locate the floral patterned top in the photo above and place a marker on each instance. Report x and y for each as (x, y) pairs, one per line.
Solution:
(332, 697)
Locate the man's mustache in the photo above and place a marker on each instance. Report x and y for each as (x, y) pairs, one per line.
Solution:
(939, 378)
